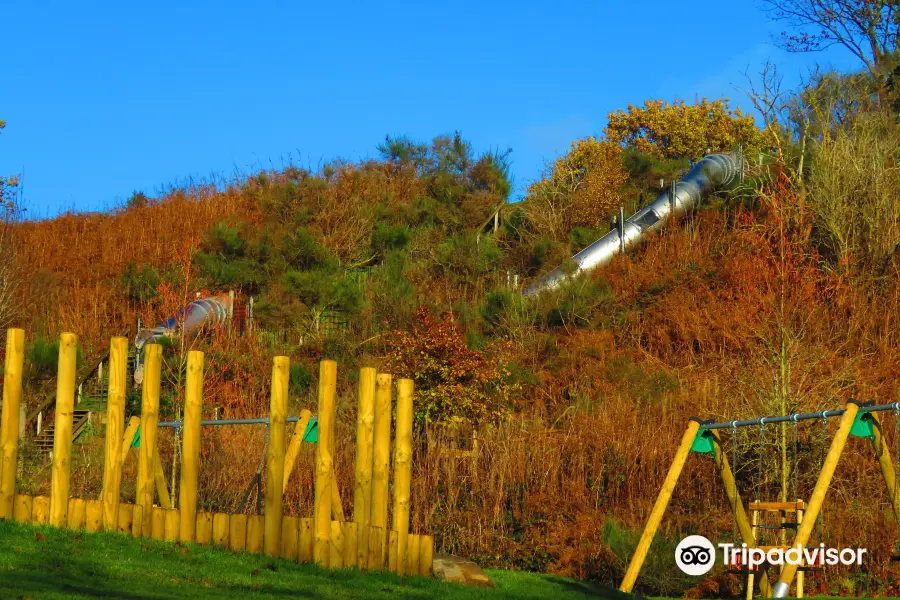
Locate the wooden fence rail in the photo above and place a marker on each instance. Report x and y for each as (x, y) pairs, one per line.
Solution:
(325, 538)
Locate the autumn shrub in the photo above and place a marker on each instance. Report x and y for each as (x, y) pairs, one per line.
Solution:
(681, 130)
(454, 384)
(646, 388)
(852, 191)
(581, 189)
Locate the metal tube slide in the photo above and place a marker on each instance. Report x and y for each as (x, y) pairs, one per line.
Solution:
(709, 174)
(209, 312)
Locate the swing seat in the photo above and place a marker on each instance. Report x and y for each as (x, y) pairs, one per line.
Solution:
(895, 558)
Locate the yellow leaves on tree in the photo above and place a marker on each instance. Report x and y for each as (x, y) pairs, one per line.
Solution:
(681, 130)
(583, 188)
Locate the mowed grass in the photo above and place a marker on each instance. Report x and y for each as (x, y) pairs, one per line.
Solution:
(48, 563)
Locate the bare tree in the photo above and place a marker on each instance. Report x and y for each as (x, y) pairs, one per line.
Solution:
(867, 28)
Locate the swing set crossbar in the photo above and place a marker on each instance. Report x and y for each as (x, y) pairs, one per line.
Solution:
(261, 421)
(795, 418)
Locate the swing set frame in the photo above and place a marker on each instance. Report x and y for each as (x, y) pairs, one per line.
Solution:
(856, 419)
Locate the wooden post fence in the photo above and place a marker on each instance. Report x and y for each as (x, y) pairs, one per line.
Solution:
(325, 539)
(190, 455)
(324, 462)
(403, 470)
(381, 458)
(365, 447)
(115, 423)
(62, 431)
(149, 420)
(275, 454)
(9, 430)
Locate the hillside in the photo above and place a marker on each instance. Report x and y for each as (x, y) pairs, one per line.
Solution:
(781, 295)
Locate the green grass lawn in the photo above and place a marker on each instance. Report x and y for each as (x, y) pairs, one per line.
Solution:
(46, 562)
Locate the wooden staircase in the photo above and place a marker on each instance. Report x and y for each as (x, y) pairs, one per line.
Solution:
(80, 419)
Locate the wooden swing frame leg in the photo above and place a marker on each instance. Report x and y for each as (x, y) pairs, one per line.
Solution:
(818, 496)
(737, 509)
(659, 508)
(886, 464)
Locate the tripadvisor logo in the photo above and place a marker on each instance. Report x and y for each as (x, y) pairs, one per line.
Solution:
(696, 555)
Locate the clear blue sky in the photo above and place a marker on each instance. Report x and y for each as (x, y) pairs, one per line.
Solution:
(104, 98)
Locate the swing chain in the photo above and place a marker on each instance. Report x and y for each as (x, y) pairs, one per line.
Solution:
(795, 470)
(896, 406)
(762, 442)
(734, 449)
(734, 472)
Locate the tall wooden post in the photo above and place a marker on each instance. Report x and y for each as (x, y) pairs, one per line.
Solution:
(190, 454)
(149, 420)
(818, 496)
(324, 461)
(115, 424)
(281, 368)
(403, 470)
(362, 499)
(659, 508)
(62, 431)
(9, 429)
(381, 458)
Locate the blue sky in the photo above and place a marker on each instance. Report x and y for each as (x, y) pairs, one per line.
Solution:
(104, 98)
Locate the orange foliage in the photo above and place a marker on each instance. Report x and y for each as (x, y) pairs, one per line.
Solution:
(74, 261)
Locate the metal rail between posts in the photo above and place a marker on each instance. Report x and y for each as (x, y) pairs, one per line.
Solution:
(869, 407)
(261, 421)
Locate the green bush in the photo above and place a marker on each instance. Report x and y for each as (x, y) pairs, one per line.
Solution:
(544, 250)
(467, 257)
(660, 576)
(323, 290)
(301, 379)
(645, 388)
(301, 250)
(497, 304)
(582, 237)
(140, 283)
(389, 237)
(137, 200)
(390, 292)
(576, 302)
(227, 259)
(42, 357)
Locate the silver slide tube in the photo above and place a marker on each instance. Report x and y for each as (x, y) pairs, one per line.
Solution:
(709, 174)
